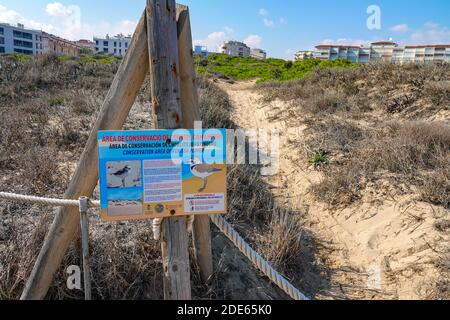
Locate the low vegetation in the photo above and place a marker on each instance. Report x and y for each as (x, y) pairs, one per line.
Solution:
(238, 68)
(374, 123)
(48, 107)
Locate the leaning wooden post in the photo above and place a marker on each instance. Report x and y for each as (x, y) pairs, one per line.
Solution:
(191, 113)
(165, 93)
(118, 102)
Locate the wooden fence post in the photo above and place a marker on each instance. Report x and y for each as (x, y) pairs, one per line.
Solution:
(84, 224)
(165, 94)
(114, 111)
(191, 113)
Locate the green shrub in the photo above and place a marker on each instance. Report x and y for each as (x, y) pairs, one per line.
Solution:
(270, 69)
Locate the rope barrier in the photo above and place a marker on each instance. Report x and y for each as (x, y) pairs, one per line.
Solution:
(219, 221)
(257, 260)
(47, 201)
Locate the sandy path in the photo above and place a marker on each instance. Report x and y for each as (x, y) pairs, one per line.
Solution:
(380, 248)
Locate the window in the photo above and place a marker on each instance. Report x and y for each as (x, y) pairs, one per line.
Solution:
(115, 44)
(126, 44)
(2, 40)
(96, 42)
(105, 50)
(120, 51)
(120, 44)
(2, 49)
(115, 50)
(29, 52)
(105, 43)
(21, 43)
(23, 35)
(96, 49)
(2, 31)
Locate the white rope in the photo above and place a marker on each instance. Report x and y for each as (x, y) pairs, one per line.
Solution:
(220, 222)
(46, 201)
(257, 260)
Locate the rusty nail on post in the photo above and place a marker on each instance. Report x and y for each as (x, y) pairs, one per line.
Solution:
(84, 223)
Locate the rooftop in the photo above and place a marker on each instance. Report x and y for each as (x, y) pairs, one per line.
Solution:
(324, 46)
(18, 26)
(328, 46)
(116, 37)
(384, 43)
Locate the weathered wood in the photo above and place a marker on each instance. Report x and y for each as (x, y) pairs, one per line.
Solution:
(165, 93)
(191, 113)
(84, 225)
(189, 97)
(113, 114)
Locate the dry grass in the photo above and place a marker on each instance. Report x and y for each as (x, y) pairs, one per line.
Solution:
(349, 115)
(48, 107)
(412, 152)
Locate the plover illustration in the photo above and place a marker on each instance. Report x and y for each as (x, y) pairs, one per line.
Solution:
(123, 174)
(202, 171)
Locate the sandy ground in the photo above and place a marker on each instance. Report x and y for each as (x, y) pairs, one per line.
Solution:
(379, 248)
(125, 208)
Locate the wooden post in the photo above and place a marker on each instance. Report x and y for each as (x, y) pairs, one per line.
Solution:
(191, 113)
(84, 224)
(165, 93)
(114, 111)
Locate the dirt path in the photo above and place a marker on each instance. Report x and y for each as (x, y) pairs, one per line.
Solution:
(379, 248)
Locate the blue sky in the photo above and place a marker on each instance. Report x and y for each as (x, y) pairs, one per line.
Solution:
(280, 27)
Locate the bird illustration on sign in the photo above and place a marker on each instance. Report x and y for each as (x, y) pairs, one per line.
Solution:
(128, 173)
(123, 174)
(202, 171)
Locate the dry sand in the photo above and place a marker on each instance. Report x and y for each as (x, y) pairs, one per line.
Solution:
(381, 247)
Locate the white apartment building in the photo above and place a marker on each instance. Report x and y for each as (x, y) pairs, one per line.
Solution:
(303, 55)
(235, 49)
(384, 51)
(258, 54)
(20, 40)
(117, 45)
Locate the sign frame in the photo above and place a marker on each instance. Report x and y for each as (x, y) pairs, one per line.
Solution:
(147, 174)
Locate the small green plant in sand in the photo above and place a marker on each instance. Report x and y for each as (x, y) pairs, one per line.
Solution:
(320, 158)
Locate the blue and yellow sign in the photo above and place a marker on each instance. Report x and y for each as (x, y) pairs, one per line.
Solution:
(162, 173)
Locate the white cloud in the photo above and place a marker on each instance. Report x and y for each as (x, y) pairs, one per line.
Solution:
(57, 9)
(431, 33)
(263, 12)
(13, 17)
(125, 27)
(67, 23)
(228, 30)
(215, 39)
(253, 41)
(268, 23)
(400, 28)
